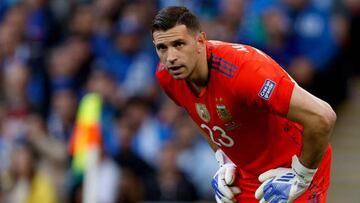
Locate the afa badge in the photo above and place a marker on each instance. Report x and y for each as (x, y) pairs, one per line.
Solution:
(202, 112)
(223, 113)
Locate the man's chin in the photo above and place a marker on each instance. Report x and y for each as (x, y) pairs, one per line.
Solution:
(179, 77)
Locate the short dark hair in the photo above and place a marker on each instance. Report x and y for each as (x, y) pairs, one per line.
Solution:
(169, 17)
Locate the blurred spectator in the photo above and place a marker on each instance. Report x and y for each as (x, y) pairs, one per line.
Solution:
(252, 29)
(168, 115)
(108, 8)
(40, 24)
(81, 56)
(334, 91)
(11, 46)
(174, 185)
(276, 31)
(16, 18)
(61, 69)
(225, 26)
(193, 150)
(62, 114)
(82, 21)
(27, 183)
(103, 83)
(16, 80)
(125, 57)
(105, 15)
(69, 64)
(52, 153)
(353, 8)
(310, 25)
(5, 145)
(131, 187)
(148, 137)
(127, 159)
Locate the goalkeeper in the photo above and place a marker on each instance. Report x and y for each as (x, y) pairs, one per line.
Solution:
(270, 135)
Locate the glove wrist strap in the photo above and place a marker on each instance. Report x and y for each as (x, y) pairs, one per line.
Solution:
(305, 173)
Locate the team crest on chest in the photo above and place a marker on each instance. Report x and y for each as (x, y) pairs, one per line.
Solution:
(223, 112)
(202, 112)
(225, 115)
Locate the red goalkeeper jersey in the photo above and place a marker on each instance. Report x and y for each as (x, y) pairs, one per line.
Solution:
(243, 110)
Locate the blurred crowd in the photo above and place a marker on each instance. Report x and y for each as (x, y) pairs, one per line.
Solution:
(53, 52)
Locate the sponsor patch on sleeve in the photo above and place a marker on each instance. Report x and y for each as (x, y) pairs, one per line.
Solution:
(267, 89)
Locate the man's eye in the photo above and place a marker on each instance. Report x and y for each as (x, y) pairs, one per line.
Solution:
(179, 44)
(160, 48)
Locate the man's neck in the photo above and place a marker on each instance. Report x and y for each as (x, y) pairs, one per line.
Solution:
(195, 88)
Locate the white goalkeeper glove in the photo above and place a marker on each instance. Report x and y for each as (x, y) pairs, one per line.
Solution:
(224, 178)
(284, 185)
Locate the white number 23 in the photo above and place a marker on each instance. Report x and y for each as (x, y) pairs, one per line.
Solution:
(223, 140)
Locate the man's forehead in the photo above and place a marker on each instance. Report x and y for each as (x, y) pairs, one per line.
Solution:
(172, 34)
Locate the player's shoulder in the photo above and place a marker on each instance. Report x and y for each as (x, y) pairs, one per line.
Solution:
(234, 58)
(235, 52)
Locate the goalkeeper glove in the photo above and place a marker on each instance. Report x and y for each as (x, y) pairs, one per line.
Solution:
(284, 184)
(224, 178)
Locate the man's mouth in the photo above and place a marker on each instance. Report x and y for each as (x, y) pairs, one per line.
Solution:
(175, 69)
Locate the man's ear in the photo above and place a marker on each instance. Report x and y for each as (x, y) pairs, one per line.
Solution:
(202, 37)
(201, 40)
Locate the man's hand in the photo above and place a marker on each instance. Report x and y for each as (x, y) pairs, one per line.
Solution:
(284, 184)
(224, 178)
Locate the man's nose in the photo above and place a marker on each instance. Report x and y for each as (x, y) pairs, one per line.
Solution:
(172, 56)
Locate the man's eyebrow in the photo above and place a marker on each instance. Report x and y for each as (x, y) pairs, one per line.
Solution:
(177, 41)
(172, 42)
(160, 45)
